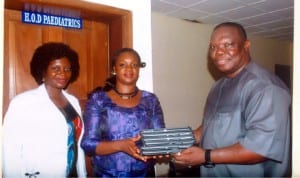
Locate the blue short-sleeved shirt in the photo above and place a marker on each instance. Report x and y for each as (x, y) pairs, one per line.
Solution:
(106, 121)
(252, 109)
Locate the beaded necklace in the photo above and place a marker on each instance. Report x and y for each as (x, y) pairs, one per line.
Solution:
(126, 96)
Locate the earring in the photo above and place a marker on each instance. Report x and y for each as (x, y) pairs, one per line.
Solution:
(113, 72)
(143, 64)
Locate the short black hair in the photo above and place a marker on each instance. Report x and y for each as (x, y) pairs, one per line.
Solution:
(238, 26)
(48, 52)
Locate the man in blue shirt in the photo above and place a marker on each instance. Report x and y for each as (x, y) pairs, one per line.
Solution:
(246, 125)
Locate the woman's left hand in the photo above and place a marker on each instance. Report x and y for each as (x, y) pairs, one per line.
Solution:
(129, 146)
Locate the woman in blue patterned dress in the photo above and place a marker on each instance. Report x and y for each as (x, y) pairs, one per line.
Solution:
(114, 116)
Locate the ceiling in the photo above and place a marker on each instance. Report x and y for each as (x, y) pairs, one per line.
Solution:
(266, 18)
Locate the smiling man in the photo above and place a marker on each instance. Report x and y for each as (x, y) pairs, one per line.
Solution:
(246, 124)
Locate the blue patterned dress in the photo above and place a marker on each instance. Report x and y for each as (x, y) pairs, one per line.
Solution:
(74, 130)
(106, 121)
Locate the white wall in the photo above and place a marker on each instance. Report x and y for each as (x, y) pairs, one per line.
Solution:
(268, 52)
(181, 80)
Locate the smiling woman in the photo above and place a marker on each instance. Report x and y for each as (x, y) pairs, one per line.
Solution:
(115, 115)
(55, 116)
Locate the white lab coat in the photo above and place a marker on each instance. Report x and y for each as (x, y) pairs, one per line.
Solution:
(35, 137)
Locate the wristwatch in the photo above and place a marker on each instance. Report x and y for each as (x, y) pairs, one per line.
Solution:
(208, 163)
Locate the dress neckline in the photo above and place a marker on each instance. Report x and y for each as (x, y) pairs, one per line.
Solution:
(122, 107)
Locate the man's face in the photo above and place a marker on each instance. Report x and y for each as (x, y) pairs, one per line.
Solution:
(228, 51)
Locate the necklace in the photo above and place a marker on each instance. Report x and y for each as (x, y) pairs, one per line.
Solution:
(126, 96)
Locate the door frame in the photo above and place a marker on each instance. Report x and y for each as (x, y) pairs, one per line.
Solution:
(119, 20)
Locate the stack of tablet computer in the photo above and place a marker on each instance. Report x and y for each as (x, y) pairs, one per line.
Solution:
(166, 140)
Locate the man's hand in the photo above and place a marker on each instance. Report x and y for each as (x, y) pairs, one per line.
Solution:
(190, 157)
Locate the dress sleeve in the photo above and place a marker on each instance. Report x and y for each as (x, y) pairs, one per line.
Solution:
(158, 117)
(91, 118)
(268, 123)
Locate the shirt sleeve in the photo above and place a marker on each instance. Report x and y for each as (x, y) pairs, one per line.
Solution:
(268, 123)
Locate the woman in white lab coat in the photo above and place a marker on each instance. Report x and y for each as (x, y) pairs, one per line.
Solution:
(42, 127)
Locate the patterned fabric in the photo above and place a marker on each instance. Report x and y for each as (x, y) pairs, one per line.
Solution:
(71, 148)
(106, 121)
(74, 131)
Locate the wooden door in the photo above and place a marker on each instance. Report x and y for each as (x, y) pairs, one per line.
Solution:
(91, 43)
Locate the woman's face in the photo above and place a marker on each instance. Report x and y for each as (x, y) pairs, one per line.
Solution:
(58, 73)
(127, 68)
